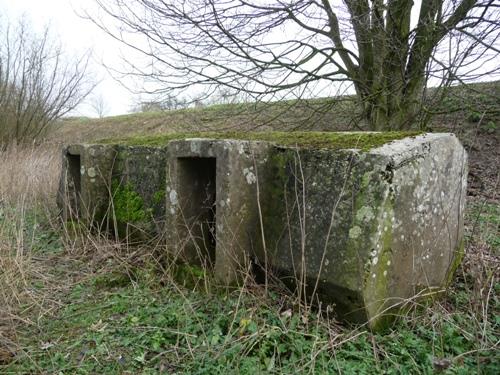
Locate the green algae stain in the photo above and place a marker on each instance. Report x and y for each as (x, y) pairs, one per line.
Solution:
(458, 257)
(376, 289)
(273, 194)
(128, 204)
(321, 140)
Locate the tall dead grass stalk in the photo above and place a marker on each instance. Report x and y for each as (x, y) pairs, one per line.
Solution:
(28, 183)
(29, 175)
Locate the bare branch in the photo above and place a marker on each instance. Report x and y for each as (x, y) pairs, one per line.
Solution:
(37, 84)
(273, 48)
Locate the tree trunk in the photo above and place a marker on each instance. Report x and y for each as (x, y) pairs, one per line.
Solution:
(393, 106)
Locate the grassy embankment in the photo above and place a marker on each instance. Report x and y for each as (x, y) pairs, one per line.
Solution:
(73, 301)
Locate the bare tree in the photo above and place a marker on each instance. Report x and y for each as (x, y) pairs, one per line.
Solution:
(147, 106)
(37, 84)
(389, 50)
(226, 96)
(99, 105)
(166, 103)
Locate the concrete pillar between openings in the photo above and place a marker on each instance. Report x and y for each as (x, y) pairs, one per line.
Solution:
(212, 211)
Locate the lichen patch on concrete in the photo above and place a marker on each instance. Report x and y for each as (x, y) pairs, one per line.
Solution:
(173, 197)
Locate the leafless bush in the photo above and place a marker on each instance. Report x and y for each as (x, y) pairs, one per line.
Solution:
(99, 105)
(38, 83)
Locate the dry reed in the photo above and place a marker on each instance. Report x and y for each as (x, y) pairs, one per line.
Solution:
(28, 183)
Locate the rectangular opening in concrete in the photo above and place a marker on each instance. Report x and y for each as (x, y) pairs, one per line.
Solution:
(197, 197)
(74, 183)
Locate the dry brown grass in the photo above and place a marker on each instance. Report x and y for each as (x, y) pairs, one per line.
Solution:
(29, 175)
(32, 283)
(28, 180)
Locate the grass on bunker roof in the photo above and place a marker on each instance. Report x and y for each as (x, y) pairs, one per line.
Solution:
(76, 302)
(302, 139)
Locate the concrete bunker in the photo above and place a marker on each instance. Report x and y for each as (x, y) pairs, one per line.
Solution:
(365, 220)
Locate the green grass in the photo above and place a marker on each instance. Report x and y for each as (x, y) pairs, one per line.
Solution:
(129, 318)
(141, 330)
(485, 221)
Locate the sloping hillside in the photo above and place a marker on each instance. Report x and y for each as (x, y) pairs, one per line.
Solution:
(461, 108)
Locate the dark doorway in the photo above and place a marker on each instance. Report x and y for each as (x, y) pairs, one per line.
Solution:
(197, 197)
(74, 181)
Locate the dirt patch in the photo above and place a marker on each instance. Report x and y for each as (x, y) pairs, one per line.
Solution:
(484, 162)
(483, 148)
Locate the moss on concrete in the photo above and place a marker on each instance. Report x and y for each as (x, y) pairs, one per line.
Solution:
(159, 197)
(273, 195)
(458, 257)
(329, 140)
(376, 280)
(128, 204)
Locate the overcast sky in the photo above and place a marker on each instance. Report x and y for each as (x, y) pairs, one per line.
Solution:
(77, 35)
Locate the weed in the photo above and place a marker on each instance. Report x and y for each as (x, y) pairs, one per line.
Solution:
(485, 219)
(128, 205)
(115, 320)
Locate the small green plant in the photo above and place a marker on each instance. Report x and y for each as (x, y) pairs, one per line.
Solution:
(188, 275)
(491, 127)
(113, 279)
(474, 117)
(127, 204)
(159, 197)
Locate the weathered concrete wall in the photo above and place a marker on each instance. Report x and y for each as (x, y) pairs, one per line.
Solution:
(368, 230)
(138, 191)
(117, 188)
(365, 230)
(422, 232)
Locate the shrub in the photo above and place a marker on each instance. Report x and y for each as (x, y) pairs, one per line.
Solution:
(38, 85)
